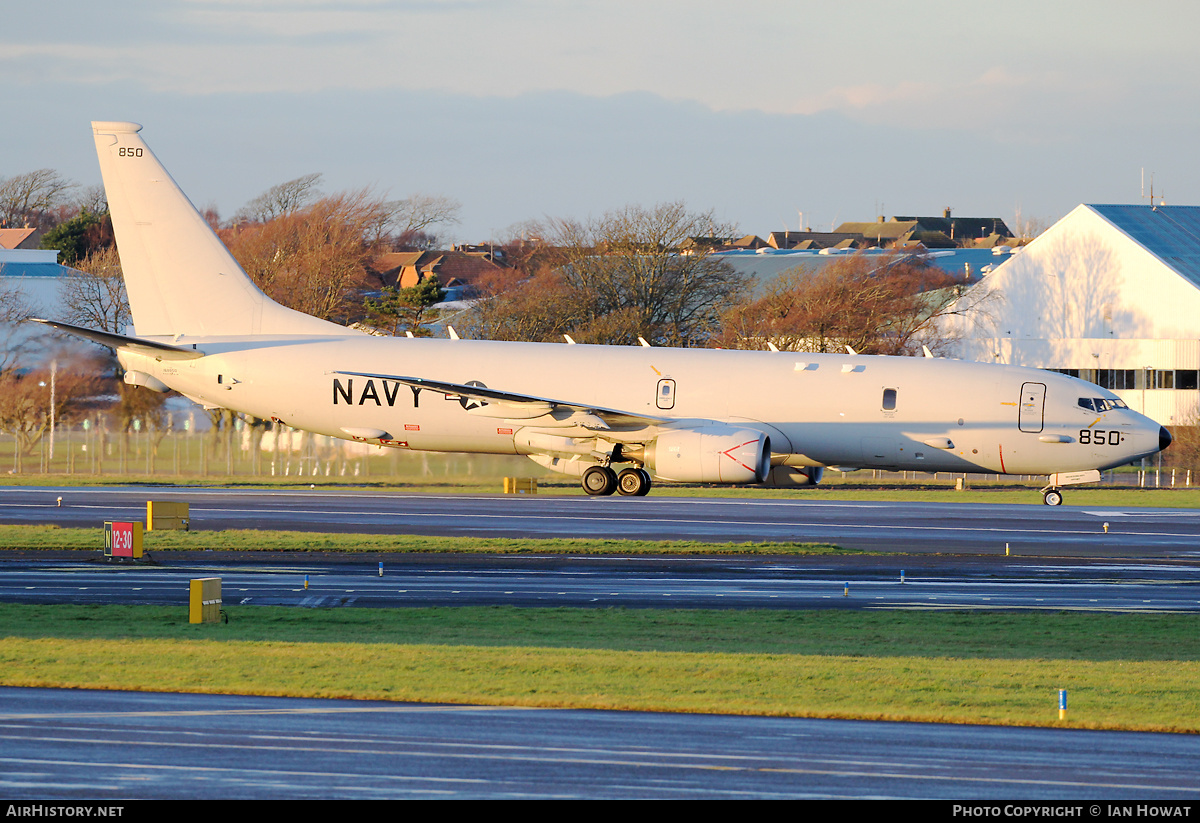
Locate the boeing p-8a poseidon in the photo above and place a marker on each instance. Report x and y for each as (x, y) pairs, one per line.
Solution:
(615, 416)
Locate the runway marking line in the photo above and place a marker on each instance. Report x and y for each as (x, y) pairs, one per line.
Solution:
(264, 710)
(534, 757)
(1014, 530)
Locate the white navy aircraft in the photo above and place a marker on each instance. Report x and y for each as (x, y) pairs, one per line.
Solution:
(614, 416)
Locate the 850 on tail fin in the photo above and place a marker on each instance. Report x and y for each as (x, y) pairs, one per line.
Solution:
(180, 277)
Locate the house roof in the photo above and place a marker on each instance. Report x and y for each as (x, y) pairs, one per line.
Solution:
(959, 228)
(447, 265)
(14, 238)
(809, 239)
(879, 230)
(750, 241)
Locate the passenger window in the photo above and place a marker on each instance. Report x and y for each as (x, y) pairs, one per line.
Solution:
(889, 399)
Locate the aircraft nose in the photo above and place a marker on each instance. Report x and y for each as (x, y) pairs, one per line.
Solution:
(1164, 438)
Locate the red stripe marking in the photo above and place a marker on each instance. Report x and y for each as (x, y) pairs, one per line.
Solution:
(734, 459)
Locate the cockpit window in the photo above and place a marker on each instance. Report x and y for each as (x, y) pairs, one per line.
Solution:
(1101, 404)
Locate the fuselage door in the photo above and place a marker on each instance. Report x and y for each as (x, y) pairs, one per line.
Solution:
(1033, 407)
(666, 393)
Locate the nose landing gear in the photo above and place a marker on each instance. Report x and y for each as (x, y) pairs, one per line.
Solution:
(1052, 496)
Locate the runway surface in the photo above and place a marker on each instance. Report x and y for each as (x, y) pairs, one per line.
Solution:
(928, 583)
(72, 744)
(64, 744)
(1060, 558)
(1063, 531)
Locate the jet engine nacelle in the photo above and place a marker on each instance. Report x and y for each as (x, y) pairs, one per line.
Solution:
(793, 477)
(712, 454)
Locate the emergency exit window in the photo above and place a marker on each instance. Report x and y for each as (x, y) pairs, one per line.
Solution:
(666, 394)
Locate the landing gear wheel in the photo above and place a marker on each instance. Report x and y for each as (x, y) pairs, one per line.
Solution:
(599, 480)
(634, 482)
(1052, 497)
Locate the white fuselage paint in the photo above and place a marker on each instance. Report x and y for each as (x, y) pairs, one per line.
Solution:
(817, 409)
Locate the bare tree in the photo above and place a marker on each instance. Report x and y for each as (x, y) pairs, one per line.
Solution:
(539, 308)
(94, 294)
(32, 196)
(93, 199)
(25, 403)
(1185, 447)
(876, 304)
(414, 214)
(627, 270)
(311, 259)
(281, 200)
(1027, 228)
(14, 305)
(15, 340)
(95, 297)
(615, 279)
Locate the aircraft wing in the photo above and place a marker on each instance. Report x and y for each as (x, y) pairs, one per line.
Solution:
(515, 405)
(162, 351)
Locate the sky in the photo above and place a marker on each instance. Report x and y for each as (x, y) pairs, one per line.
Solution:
(764, 112)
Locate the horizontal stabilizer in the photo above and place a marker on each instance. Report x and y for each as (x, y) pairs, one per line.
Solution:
(162, 351)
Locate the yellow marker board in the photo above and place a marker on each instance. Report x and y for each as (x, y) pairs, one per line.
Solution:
(204, 604)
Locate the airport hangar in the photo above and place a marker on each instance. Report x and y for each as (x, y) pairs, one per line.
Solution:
(1109, 293)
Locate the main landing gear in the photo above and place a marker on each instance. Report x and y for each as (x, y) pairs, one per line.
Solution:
(1052, 496)
(601, 480)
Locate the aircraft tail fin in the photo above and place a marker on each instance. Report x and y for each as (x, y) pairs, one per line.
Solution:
(180, 277)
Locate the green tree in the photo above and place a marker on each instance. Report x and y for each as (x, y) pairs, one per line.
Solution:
(406, 310)
(78, 237)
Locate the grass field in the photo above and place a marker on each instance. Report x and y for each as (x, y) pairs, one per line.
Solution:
(43, 538)
(1121, 671)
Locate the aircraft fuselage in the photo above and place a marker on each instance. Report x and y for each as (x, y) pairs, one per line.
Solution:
(818, 409)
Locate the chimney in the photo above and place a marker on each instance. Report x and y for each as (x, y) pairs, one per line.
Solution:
(946, 213)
